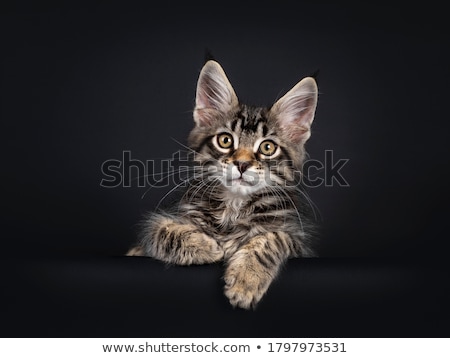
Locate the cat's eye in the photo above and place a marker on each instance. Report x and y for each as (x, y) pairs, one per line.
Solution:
(267, 148)
(225, 140)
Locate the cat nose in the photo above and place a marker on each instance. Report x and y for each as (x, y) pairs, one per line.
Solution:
(241, 165)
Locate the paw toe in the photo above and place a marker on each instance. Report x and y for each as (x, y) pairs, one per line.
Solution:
(243, 300)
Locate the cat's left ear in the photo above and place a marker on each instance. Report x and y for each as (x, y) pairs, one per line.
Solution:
(215, 96)
(295, 111)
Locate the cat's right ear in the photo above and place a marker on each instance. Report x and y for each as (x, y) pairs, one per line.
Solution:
(215, 96)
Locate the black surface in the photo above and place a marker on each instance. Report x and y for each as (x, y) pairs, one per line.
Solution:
(80, 86)
(139, 297)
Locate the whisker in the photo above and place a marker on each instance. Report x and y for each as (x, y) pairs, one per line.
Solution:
(202, 185)
(189, 149)
(314, 208)
(170, 192)
(279, 202)
(162, 175)
(292, 202)
(214, 183)
(196, 187)
(181, 171)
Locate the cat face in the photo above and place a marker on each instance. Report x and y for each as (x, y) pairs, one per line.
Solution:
(247, 151)
(247, 148)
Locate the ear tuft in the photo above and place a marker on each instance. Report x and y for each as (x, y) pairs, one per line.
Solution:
(295, 111)
(315, 75)
(208, 55)
(215, 96)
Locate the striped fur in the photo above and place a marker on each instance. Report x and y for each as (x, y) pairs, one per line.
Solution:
(241, 207)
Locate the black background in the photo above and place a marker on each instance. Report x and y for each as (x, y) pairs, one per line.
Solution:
(81, 85)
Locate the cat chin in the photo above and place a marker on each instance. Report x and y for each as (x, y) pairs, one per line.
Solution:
(242, 188)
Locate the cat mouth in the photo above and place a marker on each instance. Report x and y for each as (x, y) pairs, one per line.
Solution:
(242, 181)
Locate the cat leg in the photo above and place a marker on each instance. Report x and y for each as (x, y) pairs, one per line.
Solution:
(252, 268)
(182, 243)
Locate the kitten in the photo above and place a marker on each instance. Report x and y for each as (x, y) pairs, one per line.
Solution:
(244, 206)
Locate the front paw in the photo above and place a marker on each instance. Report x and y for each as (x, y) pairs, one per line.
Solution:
(204, 249)
(245, 287)
(192, 248)
(184, 245)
